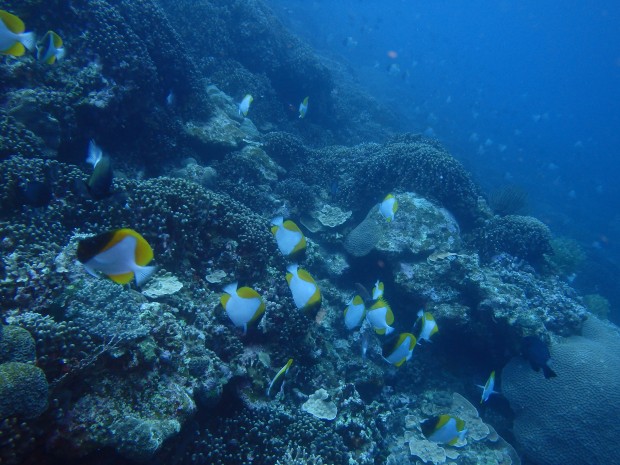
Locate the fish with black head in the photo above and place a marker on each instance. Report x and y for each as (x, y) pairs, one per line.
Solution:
(536, 352)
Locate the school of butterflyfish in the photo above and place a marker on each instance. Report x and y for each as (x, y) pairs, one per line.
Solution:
(123, 256)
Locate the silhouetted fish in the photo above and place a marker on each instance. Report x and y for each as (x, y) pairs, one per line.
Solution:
(536, 352)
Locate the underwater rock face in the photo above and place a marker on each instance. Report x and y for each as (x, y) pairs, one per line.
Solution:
(319, 406)
(571, 419)
(419, 228)
(23, 390)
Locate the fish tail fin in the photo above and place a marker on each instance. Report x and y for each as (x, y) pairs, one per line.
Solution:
(143, 273)
(549, 373)
(60, 53)
(388, 330)
(28, 40)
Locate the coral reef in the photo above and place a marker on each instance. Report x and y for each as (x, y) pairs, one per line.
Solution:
(587, 368)
(524, 237)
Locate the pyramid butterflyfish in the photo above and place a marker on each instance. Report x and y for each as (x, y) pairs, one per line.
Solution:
(243, 306)
(13, 40)
(306, 293)
(51, 48)
(380, 317)
(400, 351)
(354, 312)
(426, 325)
(120, 254)
(291, 241)
(445, 429)
(377, 290)
(388, 207)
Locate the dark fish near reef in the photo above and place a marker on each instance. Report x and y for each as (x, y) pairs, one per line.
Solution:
(99, 185)
(120, 254)
(536, 352)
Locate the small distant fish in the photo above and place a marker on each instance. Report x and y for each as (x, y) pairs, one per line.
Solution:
(13, 40)
(280, 374)
(244, 106)
(388, 207)
(303, 108)
(487, 389)
(291, 241)
(380, 317)
(243, 305)
(354, 313)
(536, 352)
(365, 342)
(120, 254)
(445, 429)
(51, 48)
(306, 292)
(95, 154)
(401, 351)
(377, 290)
(427, 326)
(171, 99)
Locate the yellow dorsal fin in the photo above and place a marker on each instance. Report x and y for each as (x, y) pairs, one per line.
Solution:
(56, 39)
(13, 23)
(247, 293)
(443, 419)
(357, 300)
(304, 275)
(291, 226)
(389, 316)
(224, 299)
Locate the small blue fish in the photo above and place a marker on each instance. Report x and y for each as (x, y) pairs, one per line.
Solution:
(303, 108)
(487, 389)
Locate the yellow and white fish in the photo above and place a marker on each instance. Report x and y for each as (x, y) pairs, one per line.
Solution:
(244, 106)
(280, 374)
(303, 108)
(291, 241)
(121, 254)
(243, 305)
(401, 351)
(380, 317)
(51, 48)
(388, 207)
(354, 313)
(13, 40)
(306, 293)
(487, 389)
(427, 326)
(445, 429)
(377, 291)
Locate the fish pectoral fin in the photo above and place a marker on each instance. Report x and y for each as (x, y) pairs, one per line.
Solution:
(123, 278)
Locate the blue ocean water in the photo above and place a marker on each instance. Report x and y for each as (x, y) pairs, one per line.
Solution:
(524, 93)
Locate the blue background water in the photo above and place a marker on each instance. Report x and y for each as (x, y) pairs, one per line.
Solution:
(524, 93)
